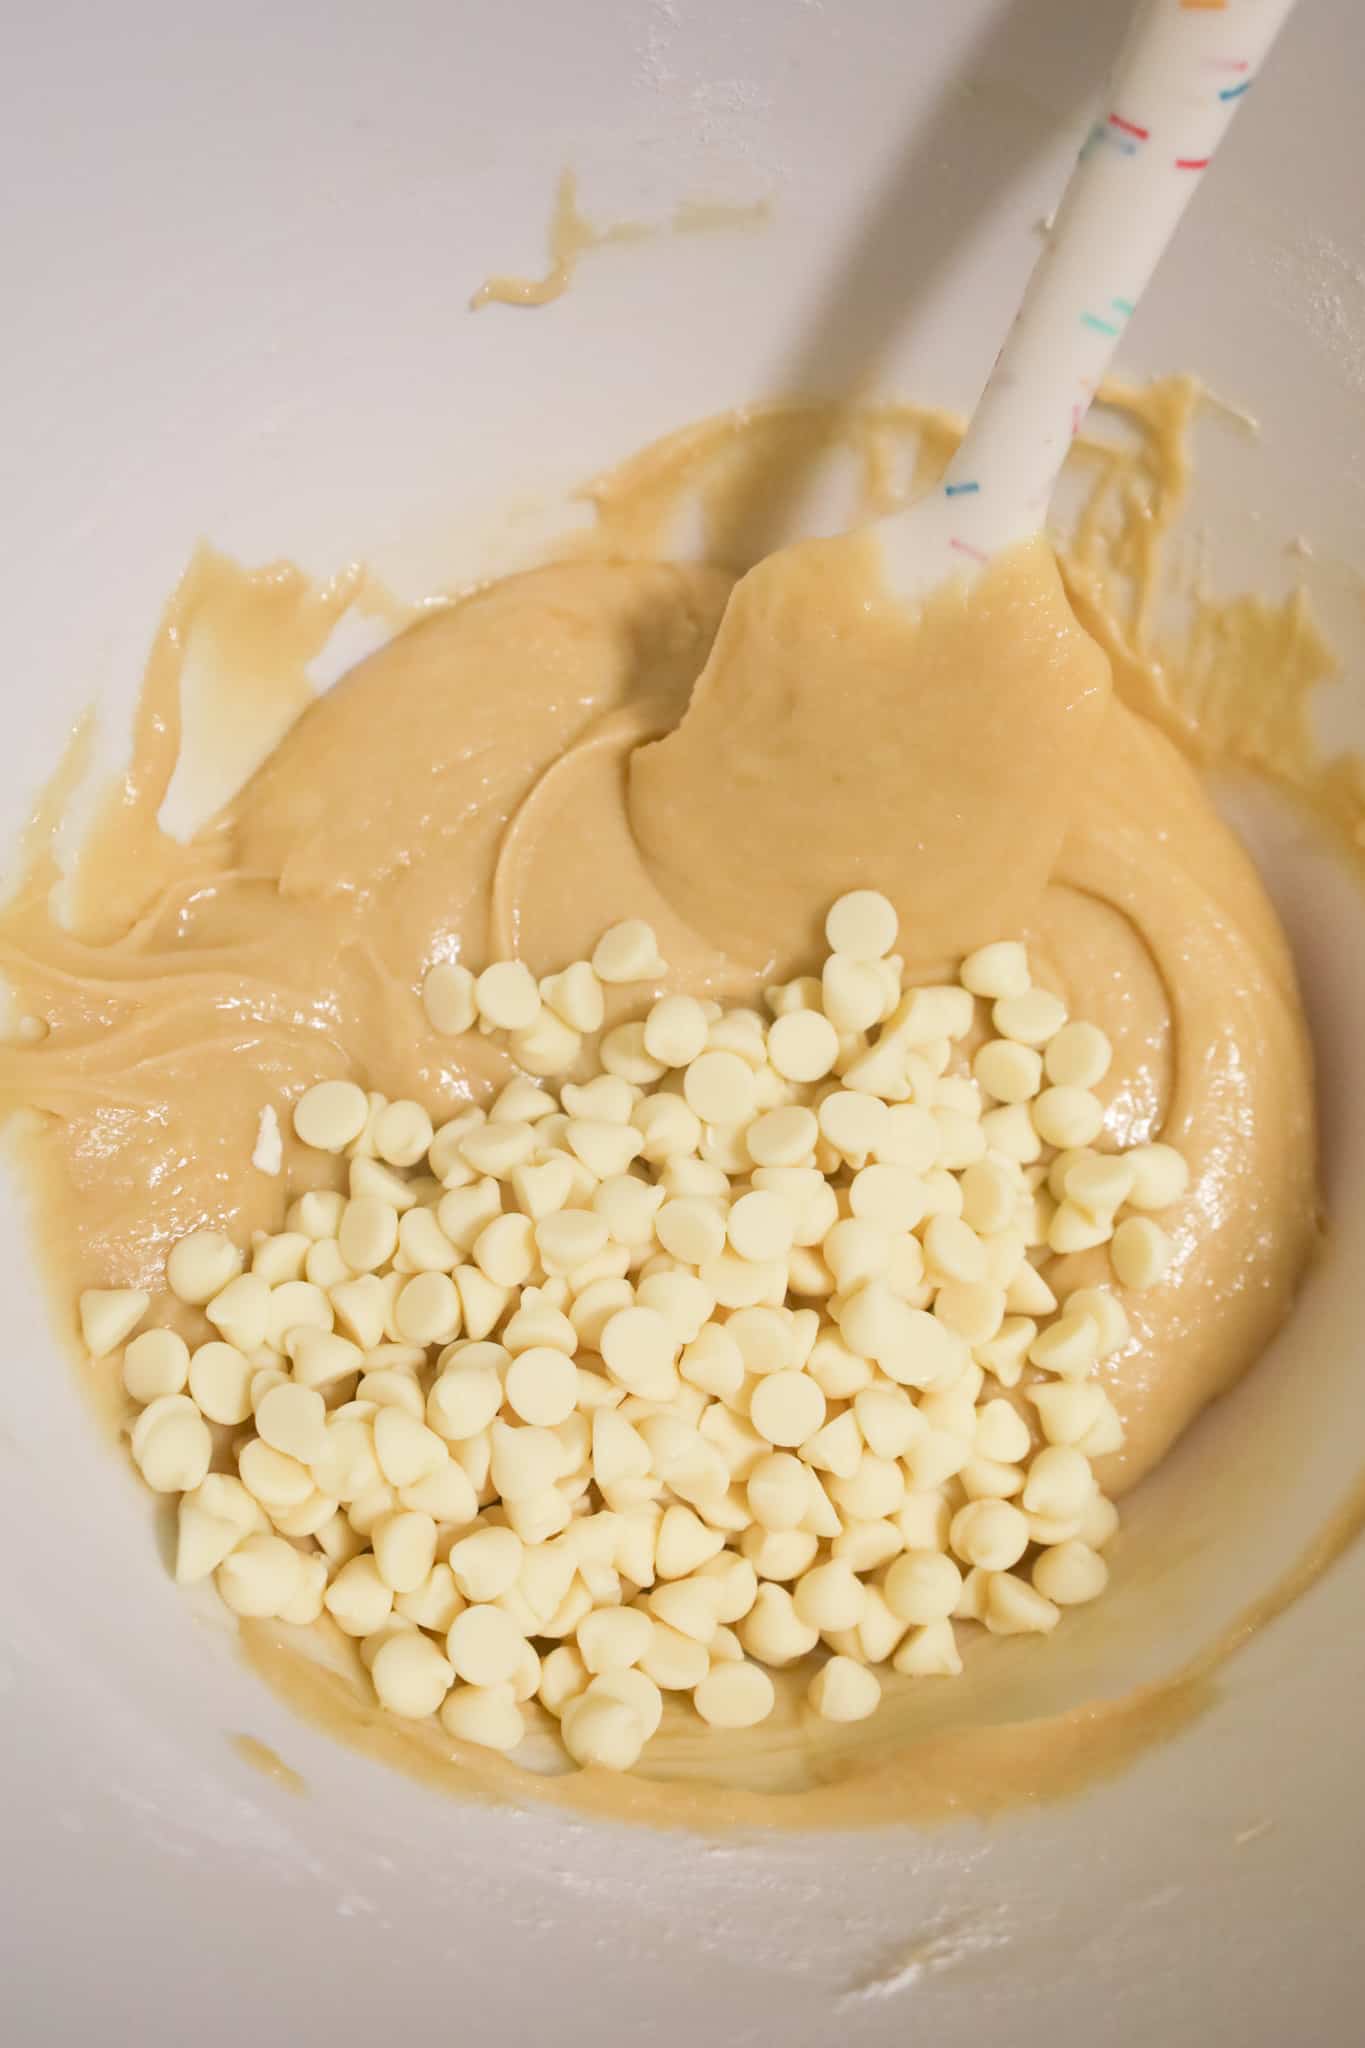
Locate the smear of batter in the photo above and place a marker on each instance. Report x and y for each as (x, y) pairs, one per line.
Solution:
(572, 235)
(464, 793)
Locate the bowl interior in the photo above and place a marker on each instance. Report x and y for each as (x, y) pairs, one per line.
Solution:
(243, 268)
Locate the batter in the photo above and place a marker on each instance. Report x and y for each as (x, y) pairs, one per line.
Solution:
(523, 768)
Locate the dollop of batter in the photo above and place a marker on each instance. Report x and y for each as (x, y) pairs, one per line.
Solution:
(534, 762)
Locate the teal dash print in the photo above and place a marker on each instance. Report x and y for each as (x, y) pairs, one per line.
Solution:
(1123, 307)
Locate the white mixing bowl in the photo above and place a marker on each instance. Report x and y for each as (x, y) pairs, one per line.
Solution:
(239, 246)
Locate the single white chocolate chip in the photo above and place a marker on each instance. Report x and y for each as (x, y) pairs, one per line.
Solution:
(410, 1676)
(1067, 1117)
(760, 1226)
(1078, 1056)
(1160, 1176)
(628, 952)
(575, 997)
(173, 1453)
(675, 1031)
(614, 1638)
(787, 1408)
(220, 1382)
(1009, 1072)
(155, 1364)
(843, 1690)
(1058, 1485)
(331, 1115)
(487, 1715)
(401, 1133)
(507, 997)
(829, 1596)
(260, 1577)
(862, 924)
(997, 970)
(1070, 1573)
(448, 998)
(782, 1137)
(542, 1386)
(1013, 1607)
(484, 1645)
(1033, 1017)
(735, 1695)
(990, 1533)
(292, 1419)
(597, 1729)
(773, 1631)
(922, 1586)
(201, 1265)
(1141, 1252)
(802, 1046)
(109, 1315)
(404, 1549)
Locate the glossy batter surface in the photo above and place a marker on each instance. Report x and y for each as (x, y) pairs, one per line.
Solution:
(521, 769)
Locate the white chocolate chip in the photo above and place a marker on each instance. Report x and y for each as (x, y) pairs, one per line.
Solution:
(844, 1691)
(802, 1046)
(922, 1586)
(1078, 1056)
(1032, 1017)
(575, 997)
(1009, 1072)
(171, 1445)
(990, 1533)
(862, 925)
(487, 1715)
(401, 1133)
(484, 1645)
(448, 998)
(260, 1577)
(997, 970)
(506, 996)
(1014, 1608)
(542, 1386)
(929, 1652)
(600, 1730)
(628, 952)
(1058, 1485)
(675, 1031)
(1070, 1573)
(410, 1676)
(1141, 1252)
(613, 1638)
(787, 1408)
(760, 1226)
(735, 1695)
(829, 1596)
(1067, 1117)
(331, 1115)
(155, 1364)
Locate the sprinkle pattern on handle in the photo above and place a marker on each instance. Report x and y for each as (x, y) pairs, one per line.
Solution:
(1184, 69)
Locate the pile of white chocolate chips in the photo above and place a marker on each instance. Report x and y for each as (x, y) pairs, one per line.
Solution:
(739, 1352)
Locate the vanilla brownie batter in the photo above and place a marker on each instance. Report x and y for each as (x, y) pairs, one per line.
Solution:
(522, 768)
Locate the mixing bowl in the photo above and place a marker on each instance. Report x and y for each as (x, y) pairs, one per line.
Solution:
(240, 248)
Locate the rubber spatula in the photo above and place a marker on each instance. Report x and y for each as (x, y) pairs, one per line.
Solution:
(914, 707)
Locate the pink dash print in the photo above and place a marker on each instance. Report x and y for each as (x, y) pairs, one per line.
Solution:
(965, 548)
